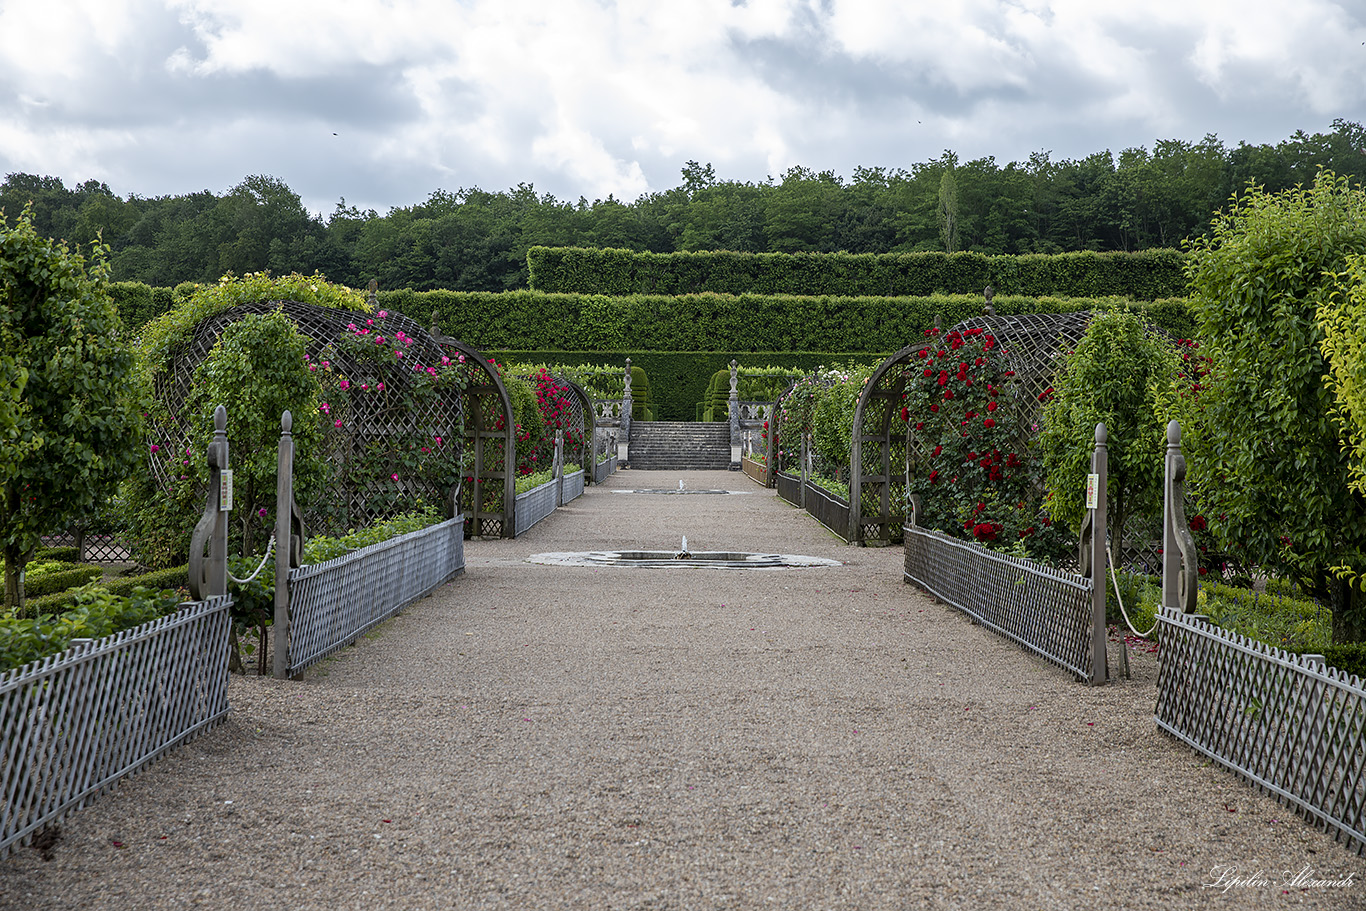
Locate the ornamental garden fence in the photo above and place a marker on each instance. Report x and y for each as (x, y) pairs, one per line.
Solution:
(332, 604)
(1283, 722)
(76, 723)
(825, 507)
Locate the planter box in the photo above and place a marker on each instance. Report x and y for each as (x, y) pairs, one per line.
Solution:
(755, 470)
(789, 487)
(77, 722)
(533, 506)
(333, 603)
(829, 510)
(604, 468)
(573, 486)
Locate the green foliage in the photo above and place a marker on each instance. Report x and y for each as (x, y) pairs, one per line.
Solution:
(168, 333)
(257, 370)
(48, 577)
(1342, 316)
(1265, 439)
(832, 419)
(1120, 375)
(975, 476)
(739, 325)
(171, 579)
(138, 303)
(93, 613)
(64, 554)
(321, 548)
(1296, 624)
(68, 423)
(1349, 657)
(1148, 275)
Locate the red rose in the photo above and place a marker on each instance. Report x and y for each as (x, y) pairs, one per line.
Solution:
(938, 449)
(934, 408)
(992, 406)
(989, 422)
(905, 415)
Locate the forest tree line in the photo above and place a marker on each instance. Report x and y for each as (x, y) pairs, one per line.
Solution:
(476, 240)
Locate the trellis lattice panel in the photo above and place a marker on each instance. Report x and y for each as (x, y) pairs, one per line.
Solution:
(75, 723)
(104, 548)
(534, 505)
(573, 485)
(1047, 611)
(828, 509)
(331, 604)
(1282, 722)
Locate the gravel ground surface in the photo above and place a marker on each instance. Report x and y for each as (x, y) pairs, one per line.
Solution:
(557, 737)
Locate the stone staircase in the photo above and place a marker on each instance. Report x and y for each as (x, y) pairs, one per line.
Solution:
(680, 446)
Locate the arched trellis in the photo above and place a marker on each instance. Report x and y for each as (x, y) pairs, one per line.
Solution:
(371, 475)
(488, 496)
(577, 424)
(881, 456)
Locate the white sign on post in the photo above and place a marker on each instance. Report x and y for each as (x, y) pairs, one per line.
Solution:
(1092, 490)
(225, 490)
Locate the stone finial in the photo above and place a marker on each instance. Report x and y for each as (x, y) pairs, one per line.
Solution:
(220, 419)
(286, 422)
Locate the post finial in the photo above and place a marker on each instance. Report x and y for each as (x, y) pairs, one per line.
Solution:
(1101, 435)
(220, 419)
(1174, 433)
(286, 422)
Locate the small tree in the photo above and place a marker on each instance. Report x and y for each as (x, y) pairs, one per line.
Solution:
(1119, 375)
(1266, 447)
(67, 418)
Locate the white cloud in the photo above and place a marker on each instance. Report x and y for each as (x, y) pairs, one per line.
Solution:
(594, 97)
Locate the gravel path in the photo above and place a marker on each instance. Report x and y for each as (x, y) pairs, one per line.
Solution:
(555, 737)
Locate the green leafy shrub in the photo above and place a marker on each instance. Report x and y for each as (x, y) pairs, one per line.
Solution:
(1349, 657)
(1145, 275)
(47, 577)
(63, 554)
(93, 613)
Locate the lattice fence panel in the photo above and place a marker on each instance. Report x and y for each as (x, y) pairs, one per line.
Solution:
(331, 604)
(385, 456)
(75, 723)
(573, 485)
(534, 505)
(1291, 727)
(1046, 610)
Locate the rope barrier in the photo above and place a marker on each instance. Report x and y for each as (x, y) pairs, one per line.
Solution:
(269, 547)
(1115, 579)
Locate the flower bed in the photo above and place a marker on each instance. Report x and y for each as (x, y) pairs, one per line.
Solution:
(534, 505)
(77, 722)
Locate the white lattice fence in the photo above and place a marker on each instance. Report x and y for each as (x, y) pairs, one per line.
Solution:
(573, 485)
(1281, 721)
(333, 603)
(534, 505)
(1046, 610)
(75, 723)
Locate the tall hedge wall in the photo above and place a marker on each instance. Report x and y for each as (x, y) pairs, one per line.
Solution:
(678, 379)
(137, 303)
(530, 320)
(1146, 275)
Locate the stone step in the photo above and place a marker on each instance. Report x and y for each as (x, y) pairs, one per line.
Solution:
(679, 446)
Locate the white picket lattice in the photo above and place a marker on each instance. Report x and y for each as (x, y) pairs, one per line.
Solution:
(573, 485)
(1288, 725)
(331, 604)
(1046, 610)
(75, 723)
(534, 505)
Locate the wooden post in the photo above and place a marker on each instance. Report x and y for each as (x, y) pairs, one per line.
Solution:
(1099, 467)
(1171, 556)
(209, 576)
(284, 504)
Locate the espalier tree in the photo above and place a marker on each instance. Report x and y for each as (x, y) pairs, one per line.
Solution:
(67, 418)
(1269, 457)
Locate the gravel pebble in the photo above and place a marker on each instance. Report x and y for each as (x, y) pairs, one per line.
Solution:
(576, 737)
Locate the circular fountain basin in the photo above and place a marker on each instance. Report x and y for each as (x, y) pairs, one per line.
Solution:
(670, 490)
(666, 559)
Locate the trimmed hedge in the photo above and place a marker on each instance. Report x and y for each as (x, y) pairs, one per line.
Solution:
(1349, 657)
(158, 580)
(745, 324)
(678, 379)
(60, 554)
(1145, 275)
(137, 303)
(59, 580)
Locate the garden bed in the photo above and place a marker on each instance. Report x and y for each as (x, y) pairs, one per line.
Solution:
(77, 722)
(756, 470)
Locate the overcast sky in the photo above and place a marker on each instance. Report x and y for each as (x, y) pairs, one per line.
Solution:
(383, 101)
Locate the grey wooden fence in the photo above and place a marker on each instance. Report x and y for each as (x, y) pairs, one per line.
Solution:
(75, 723)
(573, 486)
(535, 504)
(1282, 721)
(1046, 610)
(331, 604)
